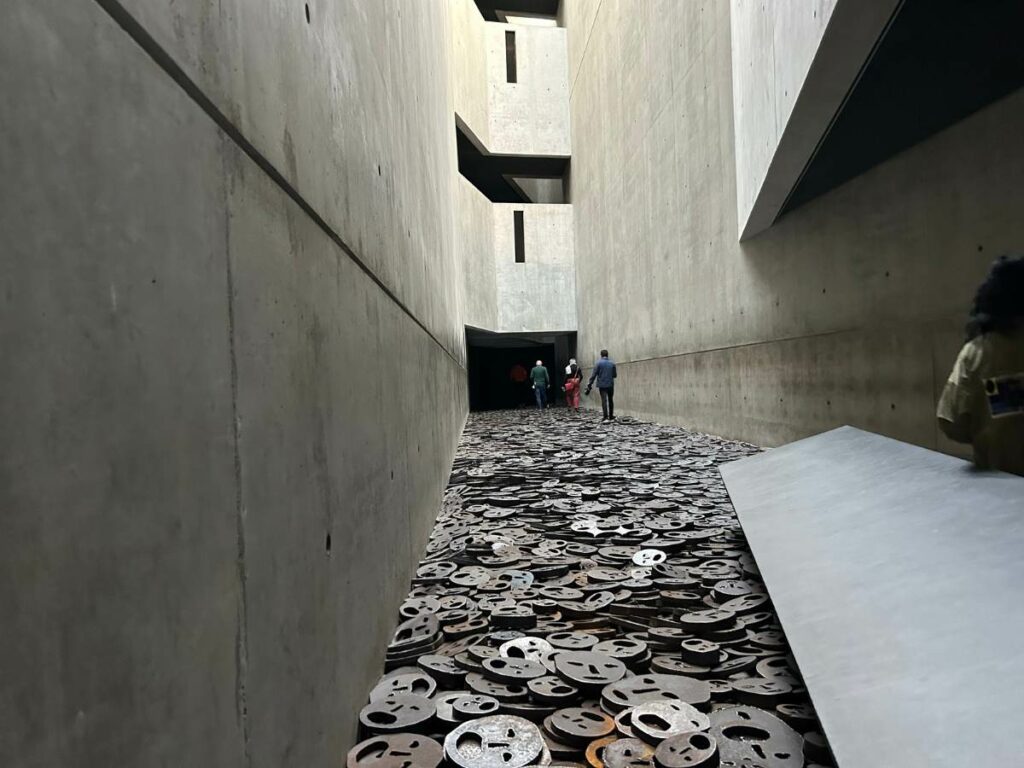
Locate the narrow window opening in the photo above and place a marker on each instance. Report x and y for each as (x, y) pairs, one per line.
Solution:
(510, 56)
(520, 243)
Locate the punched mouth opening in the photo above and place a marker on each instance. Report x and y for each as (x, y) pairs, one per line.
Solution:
(654, 721)
(374, 749)
(745, 733)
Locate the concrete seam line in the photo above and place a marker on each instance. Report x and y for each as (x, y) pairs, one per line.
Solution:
(242, 631)
(740, 346)
(586, 45)
(166, 62)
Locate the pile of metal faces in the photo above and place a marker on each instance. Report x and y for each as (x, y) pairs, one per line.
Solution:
(587, 598)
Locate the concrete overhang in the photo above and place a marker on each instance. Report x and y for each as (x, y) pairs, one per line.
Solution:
(850, 35)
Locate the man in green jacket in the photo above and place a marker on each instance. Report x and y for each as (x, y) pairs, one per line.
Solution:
(541, 382)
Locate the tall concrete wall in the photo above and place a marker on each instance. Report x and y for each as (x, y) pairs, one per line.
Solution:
(540, 293)
(793, 64)
(504, 296)
(527, 117)
(234, 369)
(847, 311)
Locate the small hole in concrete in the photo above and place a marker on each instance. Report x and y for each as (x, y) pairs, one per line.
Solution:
(886, 273)
(893, 406)
(980, 249)
(378, 169)
(327, 544)
(307, 13)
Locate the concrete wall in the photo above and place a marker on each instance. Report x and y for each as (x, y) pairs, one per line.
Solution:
(847, 311)
(470, 70)
(475, 225)
(540, 294)
(793, 64)
(500, 295)
(230, 327)
(531, 115)
(528, 117)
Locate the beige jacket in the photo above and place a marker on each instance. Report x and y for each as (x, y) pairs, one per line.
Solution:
(983, 401)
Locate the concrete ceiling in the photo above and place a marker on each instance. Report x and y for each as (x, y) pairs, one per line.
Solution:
(491, 8)
(488, 172)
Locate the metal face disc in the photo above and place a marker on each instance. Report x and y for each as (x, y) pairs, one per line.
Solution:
(419, 683)
(404, 712)
(649, 557)
(508, 670)
(473, 705)
(655, 721)
(552, 690)
(532, 648)
(579, 726)
(687, 750)
(627, 753)
(498, 741)
(588, 671)
(634, 691)
(747, 735)
(396, 750)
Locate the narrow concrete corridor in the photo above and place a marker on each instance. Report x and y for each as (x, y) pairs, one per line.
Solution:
(587, 598)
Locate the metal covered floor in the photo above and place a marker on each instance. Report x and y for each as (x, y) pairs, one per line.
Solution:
(588, 598)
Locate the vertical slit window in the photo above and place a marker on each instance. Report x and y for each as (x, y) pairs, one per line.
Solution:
(510, 57)
(517, 225)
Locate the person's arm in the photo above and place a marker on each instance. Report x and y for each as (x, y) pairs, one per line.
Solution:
(615, 371)
(593, 375)
(954, 410)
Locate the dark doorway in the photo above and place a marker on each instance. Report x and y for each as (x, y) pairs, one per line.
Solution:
(497, 362)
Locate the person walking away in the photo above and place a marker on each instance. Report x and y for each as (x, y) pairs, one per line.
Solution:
(541, 382)
(605, 374)
(573, 382)
(983, 400)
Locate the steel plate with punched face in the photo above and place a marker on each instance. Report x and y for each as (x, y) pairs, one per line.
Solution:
(396, 750)
(896, 573)
(499, 741)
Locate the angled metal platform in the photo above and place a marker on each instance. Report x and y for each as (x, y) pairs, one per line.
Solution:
(898, 576)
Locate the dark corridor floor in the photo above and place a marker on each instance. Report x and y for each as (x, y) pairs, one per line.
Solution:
(587, 598)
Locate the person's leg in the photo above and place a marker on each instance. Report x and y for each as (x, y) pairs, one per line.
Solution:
(604, 401)
(543, 397)
(537, 396)
(611, 402)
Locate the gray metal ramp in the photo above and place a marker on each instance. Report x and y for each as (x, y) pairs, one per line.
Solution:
(898, 576)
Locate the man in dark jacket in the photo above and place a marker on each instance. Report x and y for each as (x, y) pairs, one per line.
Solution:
(605, 375)
(541, 382)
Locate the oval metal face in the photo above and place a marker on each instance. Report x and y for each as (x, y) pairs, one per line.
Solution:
(499, 741)
(396, 750)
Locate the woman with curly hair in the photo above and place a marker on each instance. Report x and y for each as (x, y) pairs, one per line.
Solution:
(983, 401)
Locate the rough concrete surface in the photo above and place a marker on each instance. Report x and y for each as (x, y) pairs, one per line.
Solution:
(888, 262)
(211, 368)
